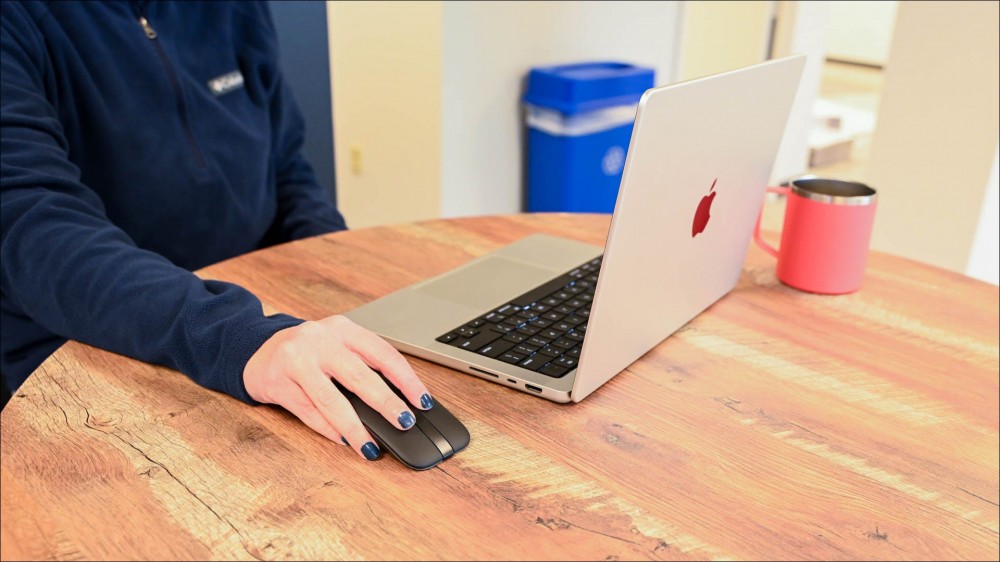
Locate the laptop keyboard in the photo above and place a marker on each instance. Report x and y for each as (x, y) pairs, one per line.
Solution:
(541, 330)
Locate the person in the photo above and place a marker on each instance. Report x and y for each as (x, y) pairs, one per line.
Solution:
(140, 141)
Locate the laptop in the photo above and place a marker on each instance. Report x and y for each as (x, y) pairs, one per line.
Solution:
(558, 318)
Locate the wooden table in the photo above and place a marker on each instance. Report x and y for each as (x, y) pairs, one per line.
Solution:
(778, 424)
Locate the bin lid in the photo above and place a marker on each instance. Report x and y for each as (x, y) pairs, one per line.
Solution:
(574, 88)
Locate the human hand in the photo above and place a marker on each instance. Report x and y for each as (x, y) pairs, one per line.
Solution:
(294, 368)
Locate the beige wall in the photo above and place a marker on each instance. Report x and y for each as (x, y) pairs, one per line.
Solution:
(720, 36)
(937, 130)
(385, 60)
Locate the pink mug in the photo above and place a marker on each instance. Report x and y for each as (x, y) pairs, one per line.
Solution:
(824, 240)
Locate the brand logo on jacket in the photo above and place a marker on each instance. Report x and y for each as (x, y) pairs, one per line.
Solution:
(703, 213)
(226, 83)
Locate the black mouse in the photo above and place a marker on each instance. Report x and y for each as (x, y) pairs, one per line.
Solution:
(435, 436)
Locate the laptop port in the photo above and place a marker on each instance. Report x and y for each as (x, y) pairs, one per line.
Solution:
(494, 375)
(533, 388)
(512, 381)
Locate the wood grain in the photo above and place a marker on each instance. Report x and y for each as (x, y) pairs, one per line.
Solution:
(776, 425)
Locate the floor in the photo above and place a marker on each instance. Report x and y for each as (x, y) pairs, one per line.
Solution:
(856, 91)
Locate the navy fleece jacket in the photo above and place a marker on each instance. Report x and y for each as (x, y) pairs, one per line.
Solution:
(125, 164)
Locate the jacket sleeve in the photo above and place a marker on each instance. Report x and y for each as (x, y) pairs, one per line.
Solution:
(72, 271)
(305, 208)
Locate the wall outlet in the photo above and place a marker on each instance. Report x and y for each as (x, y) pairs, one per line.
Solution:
(356, 160)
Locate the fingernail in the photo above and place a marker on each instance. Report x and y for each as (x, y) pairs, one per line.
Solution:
(370, 451)
(344, 441)
(426, 402)
(406, 420)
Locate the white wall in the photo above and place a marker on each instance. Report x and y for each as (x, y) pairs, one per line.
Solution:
(936, 137)
(801, 30)
(984, 263)
(861, 31)
(489, 47)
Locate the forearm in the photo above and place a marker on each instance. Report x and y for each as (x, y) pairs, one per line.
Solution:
(80, 277)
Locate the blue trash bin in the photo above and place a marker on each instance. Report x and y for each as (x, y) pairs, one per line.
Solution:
(579, 120)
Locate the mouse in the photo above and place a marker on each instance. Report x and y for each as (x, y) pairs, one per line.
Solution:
(436, 435)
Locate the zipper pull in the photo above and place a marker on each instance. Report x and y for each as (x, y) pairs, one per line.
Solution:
(150, 32)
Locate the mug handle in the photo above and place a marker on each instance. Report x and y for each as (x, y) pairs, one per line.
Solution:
(756, 229)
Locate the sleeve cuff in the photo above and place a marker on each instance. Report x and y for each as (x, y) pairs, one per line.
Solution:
(245, 345)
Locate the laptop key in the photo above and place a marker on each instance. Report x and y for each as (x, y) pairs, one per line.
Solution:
(515, 337)
(564, 309)
(532, 362)
(508, 309)
(540, 323)
(525, 349)
(553, 316)
(553, 370)
(537, 341)
(550, 334)
(467, 332)
(541, 291)
(540, 308)
(512, 358)
(574, 353)
(476, 342)
(552, 301)
(514, 321)
(568, 362)
(476, 323)
(575, 336)
(564, 343)
(447, 337)
(551, 351)
(564, 326)
(502, 328)
(496, 348)
(529, 330)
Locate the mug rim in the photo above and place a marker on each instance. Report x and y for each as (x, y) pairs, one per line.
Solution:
(825, 190)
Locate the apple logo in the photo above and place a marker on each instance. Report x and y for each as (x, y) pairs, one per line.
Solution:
(702, 215)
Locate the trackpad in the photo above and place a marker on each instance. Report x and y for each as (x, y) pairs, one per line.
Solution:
(487, 283)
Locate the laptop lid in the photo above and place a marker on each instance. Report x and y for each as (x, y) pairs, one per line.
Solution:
(698, 163)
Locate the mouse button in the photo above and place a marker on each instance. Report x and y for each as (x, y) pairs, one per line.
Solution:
(435, 436)
(449, 426)
(414, 449)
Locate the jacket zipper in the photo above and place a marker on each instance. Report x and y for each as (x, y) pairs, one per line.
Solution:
(175, 83)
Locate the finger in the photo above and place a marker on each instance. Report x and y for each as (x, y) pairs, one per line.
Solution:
(381, 356)
(294, 399)
(334, 406)
(356, 376)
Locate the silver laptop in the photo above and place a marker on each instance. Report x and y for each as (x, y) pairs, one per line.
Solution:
(559, 318)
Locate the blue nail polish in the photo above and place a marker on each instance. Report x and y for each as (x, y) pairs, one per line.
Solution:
(426, 402)
(370, 451)
(406, 420)
(344, 441)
